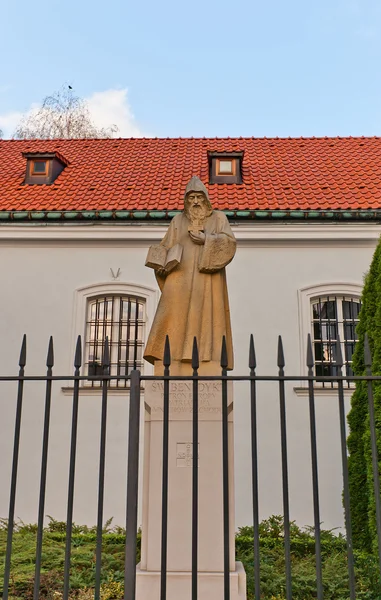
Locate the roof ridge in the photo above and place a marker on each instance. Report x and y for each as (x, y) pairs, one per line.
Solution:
(224, 138)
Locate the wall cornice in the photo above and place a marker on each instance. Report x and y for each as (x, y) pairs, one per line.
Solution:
(263, 234)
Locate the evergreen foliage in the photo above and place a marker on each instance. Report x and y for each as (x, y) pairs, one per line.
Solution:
(360, 457)
(273, 584)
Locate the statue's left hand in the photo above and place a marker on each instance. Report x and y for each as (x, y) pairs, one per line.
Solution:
(197, 237)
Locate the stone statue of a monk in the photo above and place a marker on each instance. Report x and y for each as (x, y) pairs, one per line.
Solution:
(194, 297)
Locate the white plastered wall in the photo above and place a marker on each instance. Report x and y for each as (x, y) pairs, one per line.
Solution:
(46, 274)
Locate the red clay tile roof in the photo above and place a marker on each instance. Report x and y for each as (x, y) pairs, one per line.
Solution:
(151, 174)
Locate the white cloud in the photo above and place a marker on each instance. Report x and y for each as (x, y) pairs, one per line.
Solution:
(111, 107)
(9, 121)
(107, 108)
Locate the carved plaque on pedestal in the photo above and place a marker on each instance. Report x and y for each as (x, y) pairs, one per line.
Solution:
(184, 454)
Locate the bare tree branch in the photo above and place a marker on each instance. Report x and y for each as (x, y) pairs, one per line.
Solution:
(61, 115)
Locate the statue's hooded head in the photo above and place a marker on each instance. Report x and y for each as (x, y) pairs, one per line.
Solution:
(196, 200)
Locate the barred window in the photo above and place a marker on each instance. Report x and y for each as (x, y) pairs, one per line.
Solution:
(332, 315)
(121, 318)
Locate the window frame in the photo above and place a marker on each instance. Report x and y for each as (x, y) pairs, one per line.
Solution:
(113, 323)
(44, 173)
(231, 173)
(79, 317)
(305, 297)
(339, 323)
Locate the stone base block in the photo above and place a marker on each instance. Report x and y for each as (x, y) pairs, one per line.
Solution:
(210, 478)
(210, 585)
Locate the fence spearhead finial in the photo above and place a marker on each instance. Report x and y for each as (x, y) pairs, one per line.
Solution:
(339, 355)
(281, 363)
(195, 359)
(167, 353)
(78, 353)
(310, 354)
(224, 354)
(106, 354)
(252, 357)
(50, 356)
(22, 359)
(367, 353)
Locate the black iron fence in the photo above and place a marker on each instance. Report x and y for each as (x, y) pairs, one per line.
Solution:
(135, 381)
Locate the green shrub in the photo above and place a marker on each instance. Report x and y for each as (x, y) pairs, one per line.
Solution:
(273, 581)
(334, 559)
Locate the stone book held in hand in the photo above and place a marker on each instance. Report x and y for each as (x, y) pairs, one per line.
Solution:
(159, 257)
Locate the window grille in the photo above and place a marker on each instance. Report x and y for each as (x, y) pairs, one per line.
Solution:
(121, 319)
(334, 315)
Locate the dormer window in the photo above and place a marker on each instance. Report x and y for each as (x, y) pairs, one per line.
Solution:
(43, 167)
(225, 167)
(39, 168)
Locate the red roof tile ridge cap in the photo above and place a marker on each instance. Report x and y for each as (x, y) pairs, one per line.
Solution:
(176, 138)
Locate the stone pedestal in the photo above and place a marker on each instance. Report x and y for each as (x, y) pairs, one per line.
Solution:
(210, 555)
(179, 585)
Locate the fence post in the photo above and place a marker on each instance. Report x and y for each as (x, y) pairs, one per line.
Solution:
(344, 460)
(102, 464)
(286, 502)
(164, 492)
(132, 487)
(225, 467)
(314, 463)
(254, 467)
(195, 367)
(15, 463)
(73, 452)
(44, 464)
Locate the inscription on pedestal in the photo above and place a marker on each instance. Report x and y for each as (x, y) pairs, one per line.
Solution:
(181, 400)
(184, 454)
(181, 396)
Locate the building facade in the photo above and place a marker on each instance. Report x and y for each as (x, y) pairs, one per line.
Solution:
(73, 243)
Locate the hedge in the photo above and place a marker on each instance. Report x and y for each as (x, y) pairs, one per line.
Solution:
(273, 583)
(360, 458)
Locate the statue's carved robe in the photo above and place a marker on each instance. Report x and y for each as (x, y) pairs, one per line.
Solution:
(194, 299)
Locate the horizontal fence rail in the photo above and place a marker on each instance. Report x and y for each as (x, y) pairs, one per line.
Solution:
(134, 395)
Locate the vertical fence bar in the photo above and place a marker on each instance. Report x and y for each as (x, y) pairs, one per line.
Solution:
(195, 366)
(314, 464)
(15, 463)
(44, 464)
(73, 453)
(102, 463)
(128, 338)
(225, 469)
(286, 506)
(323, 341)
(344, 459)
(328, 326)
(254, 468)
(132, 488)
(373, 440)
(164, 502)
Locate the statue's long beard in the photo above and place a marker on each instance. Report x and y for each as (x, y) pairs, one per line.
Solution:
(197, 213)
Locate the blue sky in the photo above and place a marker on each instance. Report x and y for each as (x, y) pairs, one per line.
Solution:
(200, 68)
